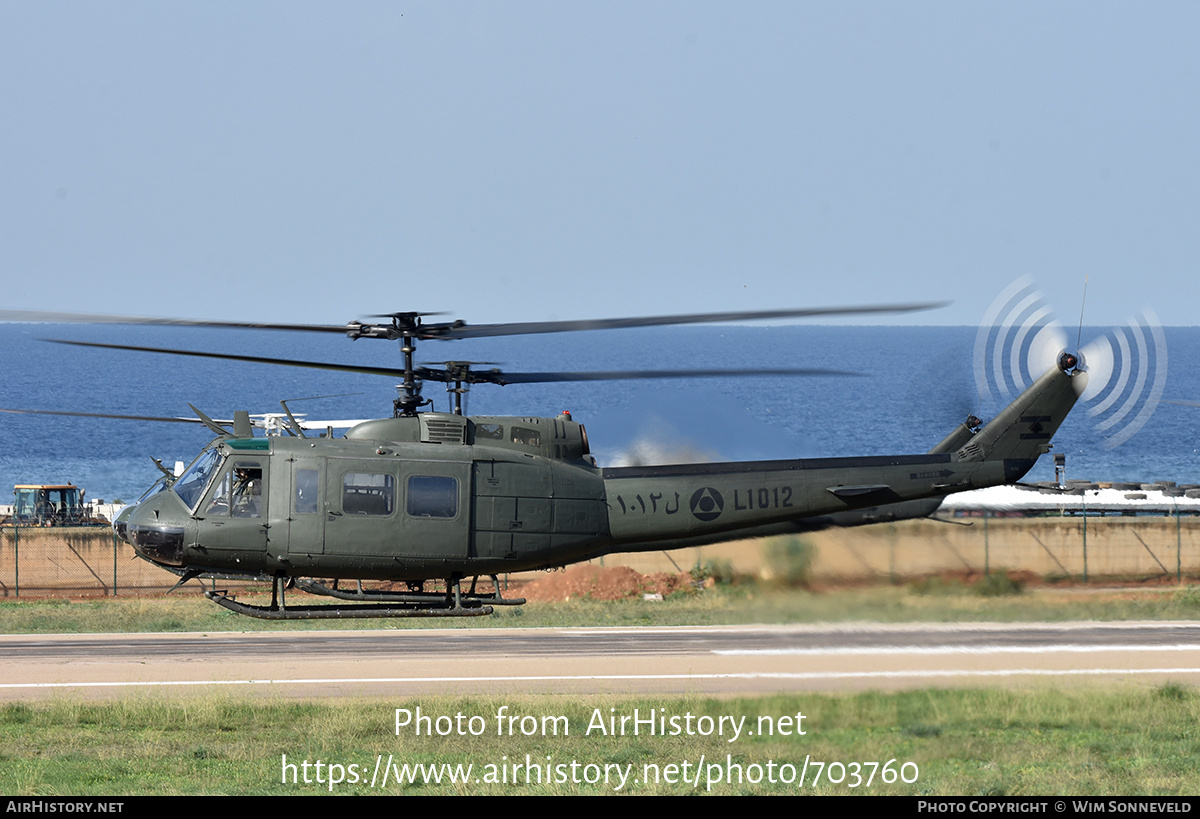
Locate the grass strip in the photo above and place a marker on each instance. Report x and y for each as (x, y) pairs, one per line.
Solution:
(720, 605)
(1135, 741)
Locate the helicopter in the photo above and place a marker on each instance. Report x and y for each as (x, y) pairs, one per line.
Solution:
(429, 500)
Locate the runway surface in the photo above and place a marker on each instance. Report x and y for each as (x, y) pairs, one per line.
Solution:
(701, 660)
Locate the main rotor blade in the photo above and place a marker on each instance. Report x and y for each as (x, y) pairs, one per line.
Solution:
(104, 415)
(50, 317)
(257, 420)
(535, 327)
(410, 322)
(469, 376)
(504, 378)
(253, 359)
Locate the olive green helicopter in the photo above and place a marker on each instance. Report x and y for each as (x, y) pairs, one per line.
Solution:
(424, 501)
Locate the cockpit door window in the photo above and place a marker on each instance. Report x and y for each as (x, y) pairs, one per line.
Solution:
(239, 492)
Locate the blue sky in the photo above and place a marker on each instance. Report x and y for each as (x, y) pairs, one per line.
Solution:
(523, 161)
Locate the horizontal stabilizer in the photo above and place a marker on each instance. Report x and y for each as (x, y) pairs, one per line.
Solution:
(858, 491)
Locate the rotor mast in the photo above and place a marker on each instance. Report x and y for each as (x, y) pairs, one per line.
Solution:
(409, 401)
(404, 327)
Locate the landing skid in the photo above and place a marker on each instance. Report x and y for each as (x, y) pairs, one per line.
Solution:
(451, 603)
(416, 597)
(359, 612)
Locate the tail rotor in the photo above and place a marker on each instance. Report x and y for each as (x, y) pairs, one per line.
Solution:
(1127, 366)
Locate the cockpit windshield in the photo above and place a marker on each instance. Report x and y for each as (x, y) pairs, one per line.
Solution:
(157, 487)
(191, 484)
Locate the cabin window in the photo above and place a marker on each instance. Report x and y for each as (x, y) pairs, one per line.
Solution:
(305, 494)
(493, 431)
(431, 496)
(528, 437)
(368, 493)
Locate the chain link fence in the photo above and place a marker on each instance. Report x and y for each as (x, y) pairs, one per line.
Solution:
(1075, 547)
(86, 561)
(91, 562)
(1089, 549)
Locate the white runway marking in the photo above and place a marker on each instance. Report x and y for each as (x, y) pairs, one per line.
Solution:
(800, 675)
(943, 650)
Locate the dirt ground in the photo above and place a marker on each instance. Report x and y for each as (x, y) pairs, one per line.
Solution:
(586, 581)
(592, 582)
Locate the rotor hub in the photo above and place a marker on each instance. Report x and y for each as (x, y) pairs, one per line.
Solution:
(1070, 363)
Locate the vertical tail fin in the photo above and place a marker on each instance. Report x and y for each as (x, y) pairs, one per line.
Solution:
(1022, 430)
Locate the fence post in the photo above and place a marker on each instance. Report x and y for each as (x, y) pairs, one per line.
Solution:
(17, 559)
(1178, 546)
(892, 554)
(1085, 579)
(987, 559)
(114, 542)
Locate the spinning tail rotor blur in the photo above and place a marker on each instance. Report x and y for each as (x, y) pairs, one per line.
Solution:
(1126, 366)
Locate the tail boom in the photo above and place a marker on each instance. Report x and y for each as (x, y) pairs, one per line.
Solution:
(660, 507)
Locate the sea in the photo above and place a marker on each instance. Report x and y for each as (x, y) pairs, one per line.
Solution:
(905, 389)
